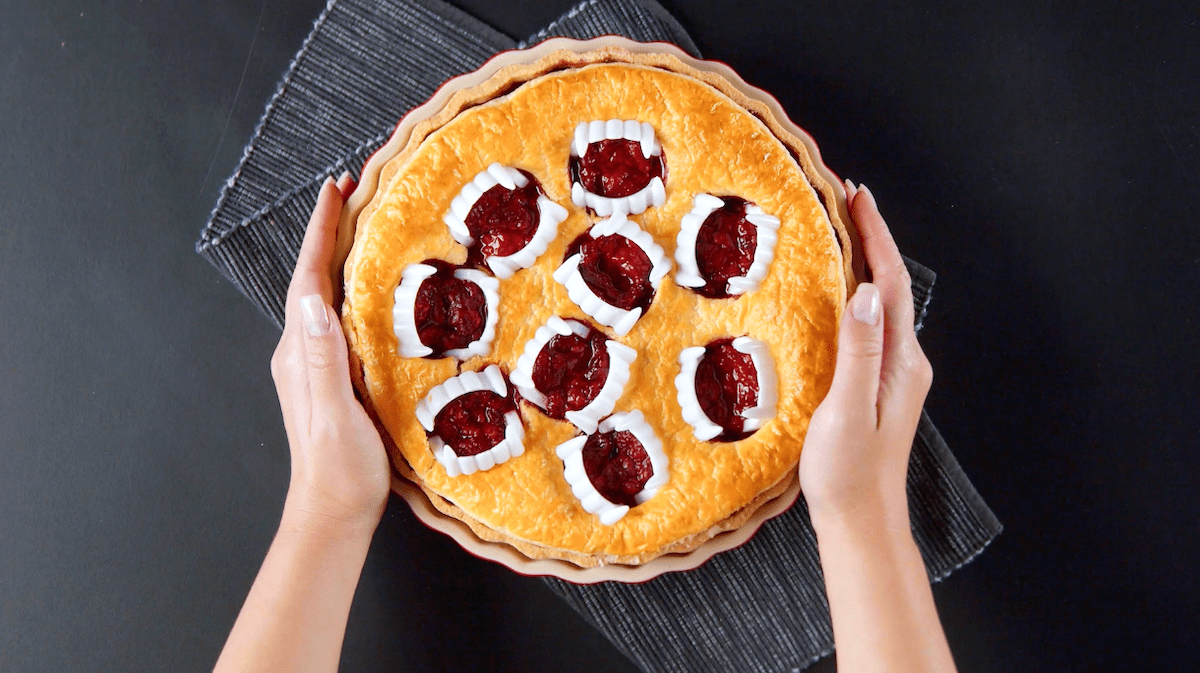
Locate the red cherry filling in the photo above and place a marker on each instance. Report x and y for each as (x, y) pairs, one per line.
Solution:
(616, 168)
(570, 371)
(473, 423)
(449, 312)
(617, 465)
(503, 221)
(616, 269)
(724, 247)
(726, 385)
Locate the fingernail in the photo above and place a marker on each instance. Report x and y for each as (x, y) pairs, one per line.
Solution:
(344, 176)
(865, 304)
(316, 316)
(871, 197)
(850, 189)
(328, 181)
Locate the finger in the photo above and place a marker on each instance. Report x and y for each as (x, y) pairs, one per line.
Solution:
(327, 360)
(312, 274)
(855, 386)
(851, 190)
(346, 185)
(887, 266)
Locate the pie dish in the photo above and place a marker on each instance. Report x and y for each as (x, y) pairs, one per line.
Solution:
(720, 148)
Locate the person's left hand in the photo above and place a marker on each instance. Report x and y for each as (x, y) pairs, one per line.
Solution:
(340, 470)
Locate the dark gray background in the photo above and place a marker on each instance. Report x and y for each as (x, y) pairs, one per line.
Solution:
(1042, 157)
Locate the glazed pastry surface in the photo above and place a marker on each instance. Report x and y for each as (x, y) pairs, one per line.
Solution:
(712, 145)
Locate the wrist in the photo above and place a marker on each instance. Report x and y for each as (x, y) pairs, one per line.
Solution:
(877, 515)
(312, 514)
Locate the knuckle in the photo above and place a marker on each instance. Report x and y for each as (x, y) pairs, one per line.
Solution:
(864, 349)
(320, 358)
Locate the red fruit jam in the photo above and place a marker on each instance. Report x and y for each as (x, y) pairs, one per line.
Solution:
(616, 269)
(726, 385)
(725, 247)
(617, 465)
(503, 221)
(449, 312)
(616, 168)
(473, 423)
(571, 370)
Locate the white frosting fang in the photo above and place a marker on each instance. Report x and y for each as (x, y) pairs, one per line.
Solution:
(550, 214)
(404, 322)
(571, 453)
(468, 382)
(482, 345)
(578, 290)
(685, 392)
(620, 357)
(653, 194)
(764, 368)
(764, 251)
(688, 271)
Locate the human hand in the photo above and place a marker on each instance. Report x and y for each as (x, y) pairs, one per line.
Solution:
(856, 451)
(340, 470)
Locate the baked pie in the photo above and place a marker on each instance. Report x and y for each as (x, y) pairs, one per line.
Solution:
(593, 304)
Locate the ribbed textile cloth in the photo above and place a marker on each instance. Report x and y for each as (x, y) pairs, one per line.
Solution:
(758, 608)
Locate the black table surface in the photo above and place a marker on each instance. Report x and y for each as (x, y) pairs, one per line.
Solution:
(1042, 157)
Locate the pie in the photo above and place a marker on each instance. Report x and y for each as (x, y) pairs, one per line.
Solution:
(593, 304)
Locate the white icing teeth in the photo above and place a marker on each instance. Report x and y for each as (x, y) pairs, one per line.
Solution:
(685, 390)
(764, 368)
(404, 323)
(571, 453)
(620, 357)
(581, 293)
(753, 417)
(687, 273)
(404, 319)
(653, 194)
(550, 215)
(491, 379)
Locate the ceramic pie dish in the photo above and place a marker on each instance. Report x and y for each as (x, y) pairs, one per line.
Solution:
(618, 386)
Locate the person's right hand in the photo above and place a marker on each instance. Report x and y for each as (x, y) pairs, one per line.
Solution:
(856, 450)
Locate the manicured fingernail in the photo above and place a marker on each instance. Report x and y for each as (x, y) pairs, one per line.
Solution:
(865, 305)
(328, 181)
(863, 189)
(316, 316)
(850, 189)
(343, 177)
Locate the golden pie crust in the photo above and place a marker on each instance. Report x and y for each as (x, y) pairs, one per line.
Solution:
(715, 140)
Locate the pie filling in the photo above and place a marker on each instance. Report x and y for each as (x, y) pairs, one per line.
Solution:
(472, 421)
(724, 246)
(573, 372)
(727, 388)
(726, 385)
(445, 310)
(617, 166)
(612, 270)
(621, 466)
(615, 268)
(504, 219)
(617, 465)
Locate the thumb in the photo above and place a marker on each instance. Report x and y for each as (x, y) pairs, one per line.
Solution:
(860, 353)
(325, 354)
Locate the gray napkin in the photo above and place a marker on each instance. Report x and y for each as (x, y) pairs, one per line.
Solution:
(760, 607)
